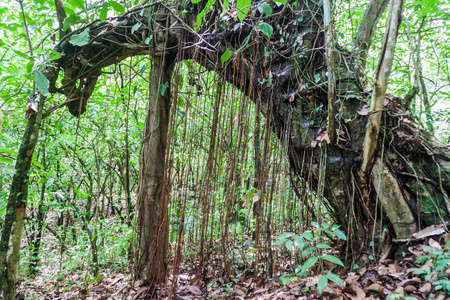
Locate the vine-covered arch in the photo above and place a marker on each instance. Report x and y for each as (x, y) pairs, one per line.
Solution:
(286, 71)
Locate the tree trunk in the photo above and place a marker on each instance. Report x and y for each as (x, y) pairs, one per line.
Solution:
(15, 210)
(36, 233)
(150, 258)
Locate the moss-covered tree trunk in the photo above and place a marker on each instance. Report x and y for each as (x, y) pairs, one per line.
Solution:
(15, 211)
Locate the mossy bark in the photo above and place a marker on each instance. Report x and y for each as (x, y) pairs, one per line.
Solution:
(15, 210)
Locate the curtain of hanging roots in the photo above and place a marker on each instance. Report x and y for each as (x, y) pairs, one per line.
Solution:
(225, 212)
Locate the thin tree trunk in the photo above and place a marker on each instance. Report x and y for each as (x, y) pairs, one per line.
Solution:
(15, 210)
(37, 235)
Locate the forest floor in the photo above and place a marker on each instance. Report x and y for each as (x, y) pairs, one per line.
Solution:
(389, 279)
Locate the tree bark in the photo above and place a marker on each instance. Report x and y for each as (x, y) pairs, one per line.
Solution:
(151, 263)
(15, 210)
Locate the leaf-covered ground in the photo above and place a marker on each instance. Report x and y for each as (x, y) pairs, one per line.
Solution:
(389, 279)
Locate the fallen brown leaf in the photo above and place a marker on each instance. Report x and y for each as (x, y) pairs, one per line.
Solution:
(426, 288)
(434, 244)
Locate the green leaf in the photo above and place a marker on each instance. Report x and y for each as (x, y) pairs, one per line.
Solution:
(80, 39)
(9, 151)
(117, 6)
(281, 1)
(279, 242)
(78, 4)
(289, 245)
(323, 281)
(72, 19)
(323, 246)
(307, 235)
(226, 56)
(285, 235)
(203, 13)
(41, 82)
(50, 182)
(285, 279)
(333, 259)
(266, 28)
(309, 263)
(6, 160)
(340, 234)
(317, 78)
(195, 1)
(265, 8)
(163, 88)
(104, 12)
(299, 242)
(135, 27)
(243, 6)
(307, 251)
(334, 278)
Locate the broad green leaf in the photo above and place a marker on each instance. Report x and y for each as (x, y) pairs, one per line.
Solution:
(266, 28)
(104, 12)
(323, 281)
(334, 278)
(299, 242)
(265, 8)
(289, 245)
(419, 271)
(243, 6)
(117, 6)
(285, 279)
(281, 1)
(309, 263)
(279, 242)
(72, 19)
(80, 39)
(226, 56)
(340, 234)
(41, 82)
(307, 251)
(136, 27)
(195, 1)
(307, 235)
(333, 259)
